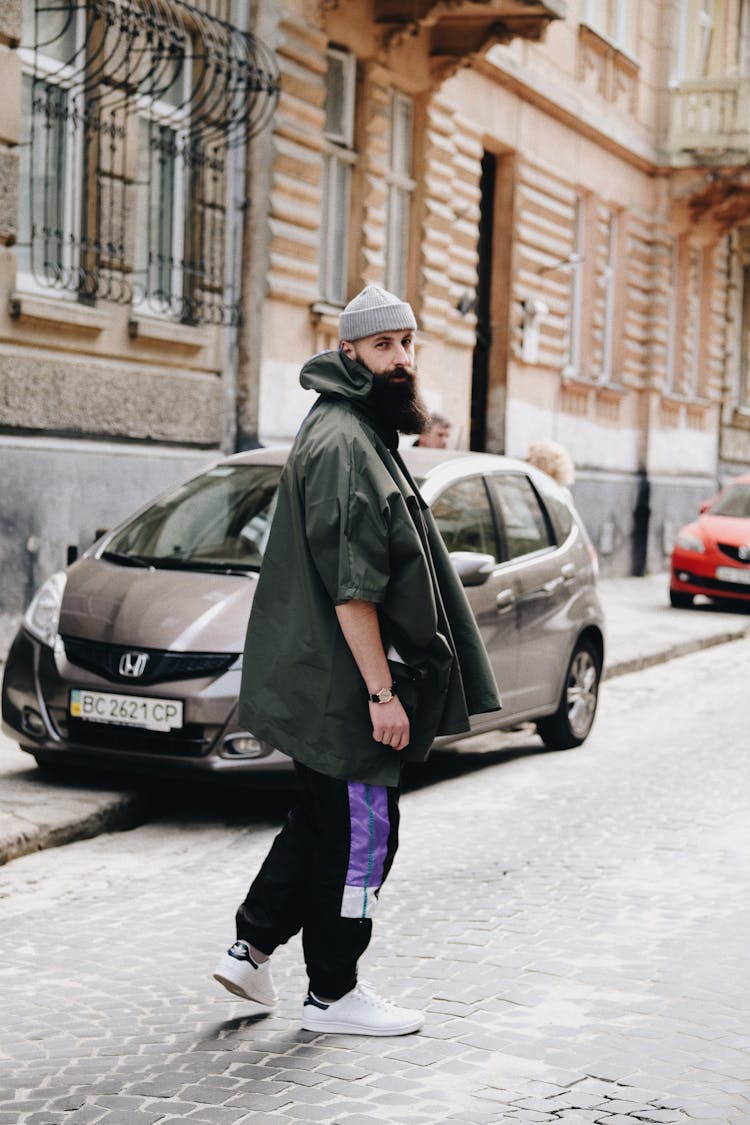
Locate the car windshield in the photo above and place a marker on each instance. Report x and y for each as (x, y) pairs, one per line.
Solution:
(734, 502)
(217, 521)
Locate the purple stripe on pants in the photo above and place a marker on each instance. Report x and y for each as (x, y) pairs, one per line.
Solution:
(370, 828)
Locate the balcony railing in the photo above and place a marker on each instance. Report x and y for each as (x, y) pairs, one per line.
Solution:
(710, 121)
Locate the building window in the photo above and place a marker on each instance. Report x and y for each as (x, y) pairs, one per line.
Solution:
(400, 188)
(50, 150)
(609, 294)
(692, 309)
(699, 40)
(161, 270)
(130, 111)
(696, 304)
(577, 259)
(617, 20)
(672, 318)
(339, 161)
(744, 395)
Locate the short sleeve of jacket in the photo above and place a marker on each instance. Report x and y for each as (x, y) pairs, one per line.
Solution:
(347, 517)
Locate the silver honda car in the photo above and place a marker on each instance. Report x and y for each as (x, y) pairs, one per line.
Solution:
(132, 656)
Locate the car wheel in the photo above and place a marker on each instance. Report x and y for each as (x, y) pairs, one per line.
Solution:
(573, 719)
(679, 599)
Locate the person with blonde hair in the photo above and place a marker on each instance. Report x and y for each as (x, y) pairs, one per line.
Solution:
(554, 460)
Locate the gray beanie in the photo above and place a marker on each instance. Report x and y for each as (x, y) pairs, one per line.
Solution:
(374, 310)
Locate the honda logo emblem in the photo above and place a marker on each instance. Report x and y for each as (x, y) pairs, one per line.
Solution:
(133, 664)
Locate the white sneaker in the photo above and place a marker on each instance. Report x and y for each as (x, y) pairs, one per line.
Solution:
(360, 1012)
(243, 977)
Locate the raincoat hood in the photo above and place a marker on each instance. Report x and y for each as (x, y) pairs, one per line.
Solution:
(333, 373)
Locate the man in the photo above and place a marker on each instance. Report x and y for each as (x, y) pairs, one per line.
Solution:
(436, 433)
(360, 648)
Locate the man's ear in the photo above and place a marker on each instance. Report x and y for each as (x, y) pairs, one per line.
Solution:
(348, 349)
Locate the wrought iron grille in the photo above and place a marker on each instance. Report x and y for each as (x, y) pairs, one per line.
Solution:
(130, 108)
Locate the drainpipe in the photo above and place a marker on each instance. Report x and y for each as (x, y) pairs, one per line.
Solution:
(254, 258)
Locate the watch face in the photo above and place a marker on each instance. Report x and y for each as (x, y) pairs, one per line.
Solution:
(386, 695)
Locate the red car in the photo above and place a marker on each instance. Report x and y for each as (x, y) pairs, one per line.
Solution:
(711, 556)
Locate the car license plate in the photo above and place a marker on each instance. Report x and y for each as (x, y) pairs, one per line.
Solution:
(732, 574)
(126, 710)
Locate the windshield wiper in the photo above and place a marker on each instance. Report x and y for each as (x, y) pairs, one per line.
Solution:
(126, 560)
(178, 562)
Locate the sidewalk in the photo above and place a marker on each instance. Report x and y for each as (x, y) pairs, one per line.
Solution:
(38, 812)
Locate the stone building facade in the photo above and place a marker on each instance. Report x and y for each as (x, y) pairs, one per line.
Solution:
(189, 193)
(613, 280)
(575, 248)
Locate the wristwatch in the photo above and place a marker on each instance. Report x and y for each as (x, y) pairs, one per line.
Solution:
(385, 695)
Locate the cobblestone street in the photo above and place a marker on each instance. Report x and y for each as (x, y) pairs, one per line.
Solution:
(575, 926)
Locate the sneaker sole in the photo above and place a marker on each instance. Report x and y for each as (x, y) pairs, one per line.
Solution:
(238, 990)
(344, 1028)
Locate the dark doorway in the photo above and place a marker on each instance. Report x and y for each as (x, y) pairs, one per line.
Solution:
(489, 369)
(480, 365)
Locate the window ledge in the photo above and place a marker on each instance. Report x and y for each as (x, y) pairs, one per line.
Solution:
(674, 399)
(323, 310)
(588, 31)
(325, 320)
(740, 417)
(155, 331)
(66, 316)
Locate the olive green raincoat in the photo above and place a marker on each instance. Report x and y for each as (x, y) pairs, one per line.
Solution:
(350, 524)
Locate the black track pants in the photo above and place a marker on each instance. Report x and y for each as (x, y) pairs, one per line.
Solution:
(322, 876)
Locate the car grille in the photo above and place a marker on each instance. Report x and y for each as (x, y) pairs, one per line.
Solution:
(732, 552)
(162, 665)
(712, 584)
(189, 742)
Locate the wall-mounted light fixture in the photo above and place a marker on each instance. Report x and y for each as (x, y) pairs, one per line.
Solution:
(571, 260)
(534, 311)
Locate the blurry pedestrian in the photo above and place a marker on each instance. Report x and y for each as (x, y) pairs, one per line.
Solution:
(554, 460)
(361, 648)
(436, 433)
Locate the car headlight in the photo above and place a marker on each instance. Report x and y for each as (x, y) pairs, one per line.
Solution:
(688, 542)
(43, 615)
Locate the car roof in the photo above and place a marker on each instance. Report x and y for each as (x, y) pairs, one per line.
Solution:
(422, 462)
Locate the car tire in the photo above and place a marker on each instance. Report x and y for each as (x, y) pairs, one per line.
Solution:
(574, 717)
(679, 599)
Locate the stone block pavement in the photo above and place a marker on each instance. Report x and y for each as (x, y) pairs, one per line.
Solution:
(577, 936)
(574, 925)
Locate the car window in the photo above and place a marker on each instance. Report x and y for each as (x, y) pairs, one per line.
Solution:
(734, 502)
(558, 506)
(221, 517)
(525, 526)
(464, 518)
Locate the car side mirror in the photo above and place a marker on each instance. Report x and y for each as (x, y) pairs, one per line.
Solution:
(472, 568)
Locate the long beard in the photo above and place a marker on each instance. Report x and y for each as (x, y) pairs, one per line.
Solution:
(398, 404)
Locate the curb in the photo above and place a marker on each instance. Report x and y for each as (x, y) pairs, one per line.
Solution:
(124, 812)
(683, 648)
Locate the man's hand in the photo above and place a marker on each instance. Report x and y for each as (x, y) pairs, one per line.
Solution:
(390, 724)
(359, 624)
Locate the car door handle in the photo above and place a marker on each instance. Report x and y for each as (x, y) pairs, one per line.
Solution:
(567, 572)
(505, 599)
